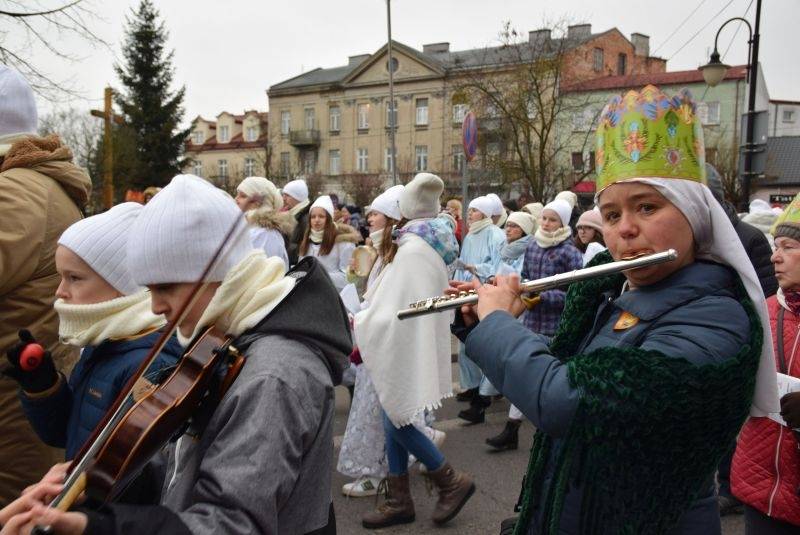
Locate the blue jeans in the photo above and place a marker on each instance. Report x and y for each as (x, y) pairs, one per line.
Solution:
(408, 439)
(469, 374)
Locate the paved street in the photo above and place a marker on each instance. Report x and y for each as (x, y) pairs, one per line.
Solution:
(497, 475)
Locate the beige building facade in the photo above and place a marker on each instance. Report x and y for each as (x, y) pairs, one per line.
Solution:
(230, 148)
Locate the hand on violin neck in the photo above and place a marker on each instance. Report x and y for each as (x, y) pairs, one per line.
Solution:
(30, 365)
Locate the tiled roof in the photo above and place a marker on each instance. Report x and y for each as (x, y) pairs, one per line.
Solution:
(694, 76)
(783, 161)
(236, 143)
(449, 61)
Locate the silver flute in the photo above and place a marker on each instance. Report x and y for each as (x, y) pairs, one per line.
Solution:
(448, 302)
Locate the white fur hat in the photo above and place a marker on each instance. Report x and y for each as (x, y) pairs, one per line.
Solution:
(297, 189)
(101, 241)
(568, 196)
(17, 104)
(261, 190)
(562, 208)
(325, 203)
(420, 198)
(482, 204)
(497, 205)
(388, 202)
(523, 220)
(180, 229)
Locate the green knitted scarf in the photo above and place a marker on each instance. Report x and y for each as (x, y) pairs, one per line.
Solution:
(649, 430)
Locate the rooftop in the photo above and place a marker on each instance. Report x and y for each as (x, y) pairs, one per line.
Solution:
(694, 76)
(783, 161)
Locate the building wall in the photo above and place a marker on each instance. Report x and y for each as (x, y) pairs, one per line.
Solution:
(784, 119)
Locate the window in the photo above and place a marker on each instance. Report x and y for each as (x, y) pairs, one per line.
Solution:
(583, 120)
(598, 59)
(309, 162)
(459, 160)
(310, 118)
(335, 162)
(388, 162)
(422, 157)
(422, 112)
(224, 134)
(391, 118)
(334, 118)
(708, 112)
(249, 166)
(251, 134)
(577, 161)
(198, 168)
(362, 160)
(622, 63)
(286, 122)
(222, 168)
(459, 112)
(363, 117)
(788, 116)
(591, 161)
(285, 164)
(198, 138)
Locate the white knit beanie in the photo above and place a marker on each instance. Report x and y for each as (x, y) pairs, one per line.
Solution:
(17, 104)
(569, 197)
(497, 205)
(388, 202)
(180, 229)
(100, 242)
(297, 189)
(523, 220)
(325, 202)
(262, 191)
(482, 204)
(420, 198)
(562, 208)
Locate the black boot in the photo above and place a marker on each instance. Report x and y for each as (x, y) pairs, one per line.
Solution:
(508, 439)
(476, 414)
(467, 395)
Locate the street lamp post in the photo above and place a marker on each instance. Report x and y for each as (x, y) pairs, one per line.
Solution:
(392, 110)
(714, 72)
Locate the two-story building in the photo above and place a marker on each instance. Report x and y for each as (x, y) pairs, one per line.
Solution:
(784, 118)
(230, 148)
(334, 122)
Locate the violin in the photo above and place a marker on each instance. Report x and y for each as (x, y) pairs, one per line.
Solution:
(145, 416)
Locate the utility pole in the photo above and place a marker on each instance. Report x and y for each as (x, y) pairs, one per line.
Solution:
(392, 109)
(108, 147)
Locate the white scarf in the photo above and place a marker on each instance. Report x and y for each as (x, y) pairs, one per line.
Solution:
(316, 236)
(250, 290)
(377, 239)
(297, 208)
(503, 218)
(88, 325)
(547, 239)
(717, 241)
(477, 226)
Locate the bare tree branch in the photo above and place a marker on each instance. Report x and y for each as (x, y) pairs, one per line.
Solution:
(39, 13)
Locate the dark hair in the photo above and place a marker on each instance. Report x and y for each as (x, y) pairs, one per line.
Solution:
(328, 238)
(598, 237)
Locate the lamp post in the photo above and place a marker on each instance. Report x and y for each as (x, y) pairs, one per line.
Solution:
(714, 72)
(392, 110)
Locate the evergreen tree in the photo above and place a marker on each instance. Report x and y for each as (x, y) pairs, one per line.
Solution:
(150, 108)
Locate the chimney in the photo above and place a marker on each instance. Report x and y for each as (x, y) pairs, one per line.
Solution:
(579, 31)
(641, 44)
(436, 48)
(539, 37)
(357, 60)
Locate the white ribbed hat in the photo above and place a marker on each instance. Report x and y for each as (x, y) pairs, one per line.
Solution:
(388, 202)
(562, 208)
(325, 202)
(497, 204)
(569, 197)
(17, 104)
(180, 229)
(482, 204)
(420, 198)
(100, 241)
(297, 189)
(261, 190)
(523, 220)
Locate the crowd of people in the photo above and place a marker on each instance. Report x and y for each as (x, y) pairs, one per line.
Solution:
(654, 392)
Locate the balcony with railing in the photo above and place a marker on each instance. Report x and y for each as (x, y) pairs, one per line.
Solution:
(308, 137)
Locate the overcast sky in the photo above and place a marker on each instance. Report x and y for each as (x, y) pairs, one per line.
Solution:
(228, 53)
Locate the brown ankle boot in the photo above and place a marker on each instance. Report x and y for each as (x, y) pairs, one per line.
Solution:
(455, 488)
(398, 507)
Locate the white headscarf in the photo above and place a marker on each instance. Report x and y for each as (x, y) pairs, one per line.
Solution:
(717, 241)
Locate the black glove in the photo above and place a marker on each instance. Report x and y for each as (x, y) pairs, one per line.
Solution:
(790, 409)
(39, 379)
